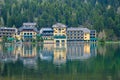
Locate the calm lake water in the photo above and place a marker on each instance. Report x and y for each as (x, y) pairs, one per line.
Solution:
(73, 61)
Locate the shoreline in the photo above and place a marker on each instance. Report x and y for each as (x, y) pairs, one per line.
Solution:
(112, 41)
(72, 42)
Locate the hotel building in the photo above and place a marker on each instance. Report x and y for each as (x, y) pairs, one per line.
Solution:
(27, 32)
(93, 35)
(59, 33)
(78, 34)
(46, 33)
(8, 32)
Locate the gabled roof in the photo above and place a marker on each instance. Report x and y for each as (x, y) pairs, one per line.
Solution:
(59, 25)
(28, 27)
(24, 28)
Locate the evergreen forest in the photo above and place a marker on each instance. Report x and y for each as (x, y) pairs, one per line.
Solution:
(101, 15)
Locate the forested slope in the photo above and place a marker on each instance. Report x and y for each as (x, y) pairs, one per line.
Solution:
(102, 15)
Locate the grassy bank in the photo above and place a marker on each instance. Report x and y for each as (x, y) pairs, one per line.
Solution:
(112, 41)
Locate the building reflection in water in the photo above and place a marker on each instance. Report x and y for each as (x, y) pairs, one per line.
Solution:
(6, 53)
(56, 53)
(28, 54)
(60, 52)
(47, 52)
(80, 51)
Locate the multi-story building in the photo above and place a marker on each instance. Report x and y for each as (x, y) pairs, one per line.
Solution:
(28, 32)
(8, 32)
(75, 34)
(93, 35)
(78, 34)
(46, 33)
(59, 33)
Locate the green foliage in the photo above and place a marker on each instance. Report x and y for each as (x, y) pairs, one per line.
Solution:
(102, 41)
(39, 38)
(4, 39)
(101, 14)
(33, 40)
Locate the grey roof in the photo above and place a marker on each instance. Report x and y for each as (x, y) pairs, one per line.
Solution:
(59, 25)
(85, 30)
(45, 29)
(28, 28)
(29, 24)
(8, 28)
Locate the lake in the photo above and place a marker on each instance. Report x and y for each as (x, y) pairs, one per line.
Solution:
(72, 61)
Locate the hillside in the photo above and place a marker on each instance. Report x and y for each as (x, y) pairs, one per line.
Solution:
(102, 15)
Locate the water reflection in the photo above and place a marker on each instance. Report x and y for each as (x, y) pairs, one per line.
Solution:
(28, 53)
(60, 53)
(76, 60)
(47, 52)
(7, 53)
(26, 50)
(81, 51)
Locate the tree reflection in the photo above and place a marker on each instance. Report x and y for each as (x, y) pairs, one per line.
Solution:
(77, 61)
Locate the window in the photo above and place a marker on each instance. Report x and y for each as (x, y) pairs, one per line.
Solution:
(59, 29)
(24, 33)
(57, 41)
(63, 41)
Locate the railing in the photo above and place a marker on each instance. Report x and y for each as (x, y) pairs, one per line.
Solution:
(60, 37)
(93, 39)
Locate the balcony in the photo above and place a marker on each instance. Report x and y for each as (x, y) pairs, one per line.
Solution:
(60, 37)
(93, 39)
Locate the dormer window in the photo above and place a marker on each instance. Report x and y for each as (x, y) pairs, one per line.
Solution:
(59, 29)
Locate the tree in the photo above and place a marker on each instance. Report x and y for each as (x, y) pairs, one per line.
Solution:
(39, 38)
(4, 39)
(1, 22)
(102, 35)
